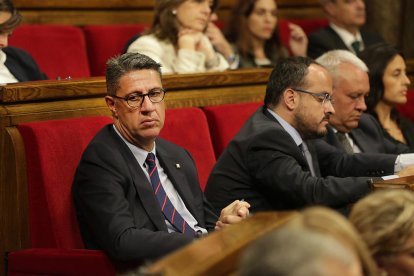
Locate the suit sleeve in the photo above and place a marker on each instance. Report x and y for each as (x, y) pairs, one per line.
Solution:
(277, 168)
(106, 205)
(333, 161)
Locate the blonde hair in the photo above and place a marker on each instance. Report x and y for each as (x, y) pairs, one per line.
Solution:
(327, 221)
(385, 220)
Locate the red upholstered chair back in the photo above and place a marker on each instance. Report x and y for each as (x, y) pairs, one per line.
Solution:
(105, 41)
(59, 50)
(408, 109)
(188, 128)
(308, 26)
(226, 120)
(53, 150)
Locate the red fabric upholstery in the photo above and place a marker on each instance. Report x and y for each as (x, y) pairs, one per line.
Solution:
(42, 261)
(308, 25)
(105, 41)
(408, 109)
(226, 120)
(59, 50)
(188, 128)
(53, 150)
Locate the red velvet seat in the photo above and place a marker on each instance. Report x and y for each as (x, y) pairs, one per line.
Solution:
(105, 41)
(188, 128)
(226, 120)
(308, 26)
(59, 50)
(408, 109)
(53, 150)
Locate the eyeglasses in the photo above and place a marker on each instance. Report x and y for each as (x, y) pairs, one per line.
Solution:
(135, 100)
(323, 97)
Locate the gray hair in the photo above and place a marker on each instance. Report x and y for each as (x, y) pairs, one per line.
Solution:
(292, 251)
(333, 59)
(118, 66)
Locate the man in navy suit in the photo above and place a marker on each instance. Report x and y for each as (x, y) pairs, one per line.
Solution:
(344, 31)
(113, 188)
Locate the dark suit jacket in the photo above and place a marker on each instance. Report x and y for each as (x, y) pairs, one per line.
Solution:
(326, 39)
(264, 166)
(22, 65)
(407, 128)
(116, 206)
(369, 137)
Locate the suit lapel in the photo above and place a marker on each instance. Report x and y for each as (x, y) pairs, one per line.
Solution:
(143, 187)
(176, 173)
(298, 154)
(363, 144)
(337, 40)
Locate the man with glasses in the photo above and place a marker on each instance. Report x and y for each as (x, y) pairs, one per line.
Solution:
(130, 199)
(272, 163)
(350, 129)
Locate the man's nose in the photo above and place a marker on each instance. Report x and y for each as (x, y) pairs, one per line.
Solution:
(329, 109)
(147, 105)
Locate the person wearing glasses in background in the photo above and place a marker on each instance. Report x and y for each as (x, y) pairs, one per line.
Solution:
(272, 163)
(16, 65)
(137, 196)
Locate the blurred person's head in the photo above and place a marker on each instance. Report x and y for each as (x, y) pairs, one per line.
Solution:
(254, 20)
(298, 251)
(347, 14)
(387, 75)
(385, 220)
(9, 20)
(171, 16)
(328, 222)
(299, 90)
(350, 87)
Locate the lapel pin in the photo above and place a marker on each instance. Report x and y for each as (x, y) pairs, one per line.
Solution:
(178, 166)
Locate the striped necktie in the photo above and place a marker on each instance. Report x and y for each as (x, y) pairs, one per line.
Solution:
(167, 207)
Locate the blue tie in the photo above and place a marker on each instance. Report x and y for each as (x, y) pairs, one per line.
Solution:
(167, 207)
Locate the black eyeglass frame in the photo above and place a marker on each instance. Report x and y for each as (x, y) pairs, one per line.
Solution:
(324, 96)
(141, 97)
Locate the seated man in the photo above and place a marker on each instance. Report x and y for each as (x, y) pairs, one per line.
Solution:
(15, 64)
(344, 32)
(350, 129)
(272, 164)
(130, 199)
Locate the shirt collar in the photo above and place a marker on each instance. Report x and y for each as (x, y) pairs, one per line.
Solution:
(347, 37)
(140, 154)
(289, 129)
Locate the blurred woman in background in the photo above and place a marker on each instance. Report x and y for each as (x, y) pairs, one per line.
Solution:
(385, 220)
(388, 89)
(177, 37)
(253, 32)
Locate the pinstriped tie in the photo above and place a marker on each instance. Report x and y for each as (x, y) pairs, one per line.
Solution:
(167, 207)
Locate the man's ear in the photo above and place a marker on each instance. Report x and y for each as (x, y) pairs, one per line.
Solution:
(290, 98)
(110, 102)
(329, 8)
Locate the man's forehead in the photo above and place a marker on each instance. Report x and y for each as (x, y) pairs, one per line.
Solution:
(319, 76)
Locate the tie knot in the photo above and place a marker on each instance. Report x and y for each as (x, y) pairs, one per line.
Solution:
(150, 159)
(356, 45)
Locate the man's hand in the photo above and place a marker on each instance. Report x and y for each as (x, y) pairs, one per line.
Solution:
(233, 213)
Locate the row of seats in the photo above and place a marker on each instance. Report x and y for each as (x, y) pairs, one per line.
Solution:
(51, 160)
(64, 51)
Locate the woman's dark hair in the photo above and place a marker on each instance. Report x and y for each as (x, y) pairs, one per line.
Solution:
(238, 34)
(377, 57)
(13, 21)
(164, 26)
